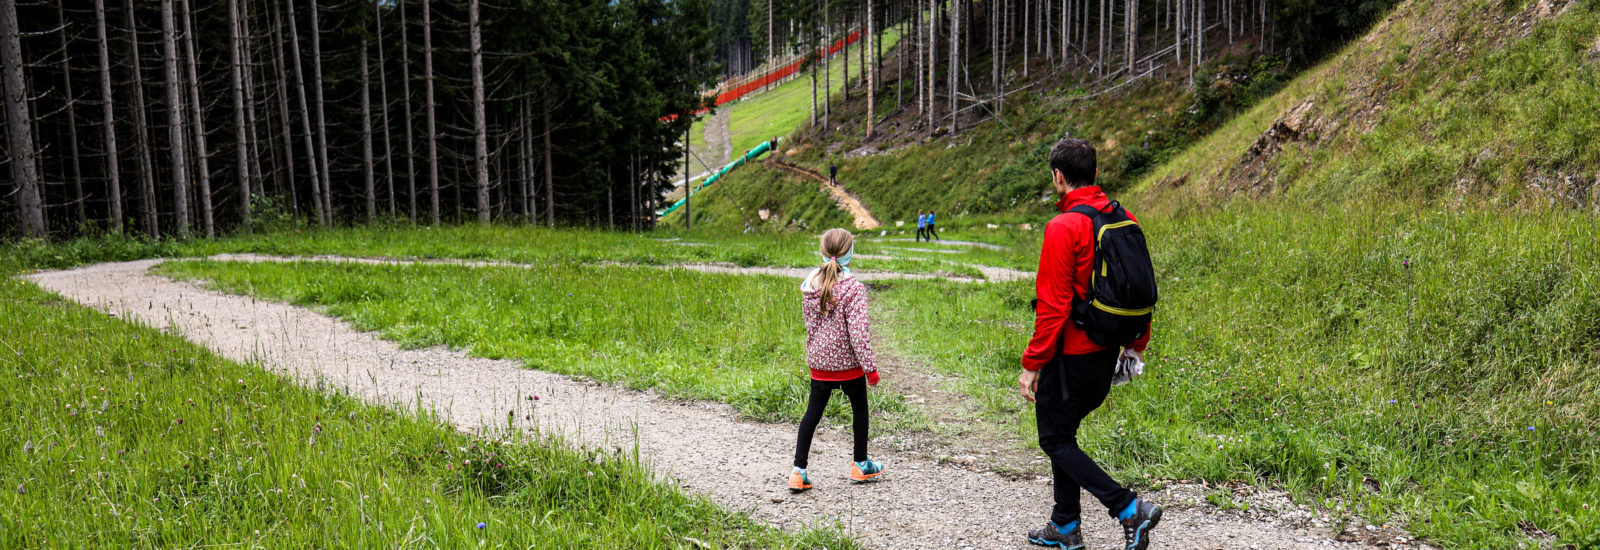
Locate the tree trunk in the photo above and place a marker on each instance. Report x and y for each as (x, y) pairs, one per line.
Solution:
(147, 182)
(480, 142)
(368, 180)
(79, 208)
(410, 122)
(827, 72)
(1133, 33)
(180, 165)
(305, 119)
(871, 72)
(107, 111)
(257, 182)
(383, 99)
(955, 52)
(202, 163)
(322, 119)
(241, 154)
(549, 174)
(283, 107)
(1027, 7)
(433, 134)
(933, 53)
(1066, 34)
(24, 174)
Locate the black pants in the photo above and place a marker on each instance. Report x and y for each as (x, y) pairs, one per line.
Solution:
(856, 390)
(1071, 387)
(921, 232)
(931, 234)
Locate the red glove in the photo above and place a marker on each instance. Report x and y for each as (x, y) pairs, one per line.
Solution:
(872, 378)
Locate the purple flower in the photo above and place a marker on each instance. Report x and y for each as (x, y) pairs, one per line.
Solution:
(482, 525)
(1530, 428)
(1391, 401)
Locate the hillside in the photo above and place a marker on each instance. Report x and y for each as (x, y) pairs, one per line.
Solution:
(1378, 278)
(1460, 102)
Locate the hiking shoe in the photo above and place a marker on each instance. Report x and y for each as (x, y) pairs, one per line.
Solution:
(799, 481)
(1141, 517)
(865, 470)
(1052, 535)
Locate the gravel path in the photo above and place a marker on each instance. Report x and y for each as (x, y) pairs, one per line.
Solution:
(991, 274)
(703, 447)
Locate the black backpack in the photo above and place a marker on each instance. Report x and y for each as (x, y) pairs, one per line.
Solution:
(1122, 288)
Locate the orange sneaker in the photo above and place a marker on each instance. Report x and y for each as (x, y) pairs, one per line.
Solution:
(865, 470)
(799, 481)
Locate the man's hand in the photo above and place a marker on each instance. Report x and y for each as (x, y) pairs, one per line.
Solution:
(1028, 383)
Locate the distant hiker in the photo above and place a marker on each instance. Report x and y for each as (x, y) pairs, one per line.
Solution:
(1077, 333)
(922, 225)
(838, 351)
(833, 174)
(929, 234)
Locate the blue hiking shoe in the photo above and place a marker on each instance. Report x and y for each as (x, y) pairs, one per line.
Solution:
(865, 470)
(1067, 537)
(1137, 522)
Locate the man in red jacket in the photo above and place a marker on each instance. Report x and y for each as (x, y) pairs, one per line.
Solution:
(1065, 374)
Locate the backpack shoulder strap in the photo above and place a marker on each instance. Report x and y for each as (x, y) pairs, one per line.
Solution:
(1088, 211)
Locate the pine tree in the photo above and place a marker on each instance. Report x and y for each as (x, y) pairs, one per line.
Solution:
(18, 124)
(108, 121)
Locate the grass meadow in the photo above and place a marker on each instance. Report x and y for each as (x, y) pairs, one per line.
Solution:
(124, 436)
(1437, 368)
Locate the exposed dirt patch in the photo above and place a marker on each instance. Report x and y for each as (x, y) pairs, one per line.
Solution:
(1256, 172)
(846, 200)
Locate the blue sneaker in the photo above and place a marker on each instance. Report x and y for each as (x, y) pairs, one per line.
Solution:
(1137, 522)
(1052, 535)
(865, 470)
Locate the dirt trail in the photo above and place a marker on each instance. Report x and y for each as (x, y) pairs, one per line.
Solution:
(991, 274)
(703, 447)
(846, 200)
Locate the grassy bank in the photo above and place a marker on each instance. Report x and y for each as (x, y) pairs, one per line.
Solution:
(516, 244)
(1439, 368)
(735, 339)
(120, 435)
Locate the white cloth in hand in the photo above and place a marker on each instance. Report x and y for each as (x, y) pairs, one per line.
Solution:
(1130, 365)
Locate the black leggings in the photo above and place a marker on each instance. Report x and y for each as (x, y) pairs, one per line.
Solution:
(856, 390)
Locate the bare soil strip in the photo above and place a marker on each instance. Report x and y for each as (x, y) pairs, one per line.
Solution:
(846, 200)
(703, 447)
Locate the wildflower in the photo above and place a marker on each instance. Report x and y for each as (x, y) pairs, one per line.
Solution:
(1391, 401)
(482, 525)
(1531, 428)
(1406, 263)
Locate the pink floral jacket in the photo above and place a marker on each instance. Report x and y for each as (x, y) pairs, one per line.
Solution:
(838, 345)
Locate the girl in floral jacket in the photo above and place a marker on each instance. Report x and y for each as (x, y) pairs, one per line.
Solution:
(838, 351)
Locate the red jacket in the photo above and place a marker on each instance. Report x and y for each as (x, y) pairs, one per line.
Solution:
(1065, 263)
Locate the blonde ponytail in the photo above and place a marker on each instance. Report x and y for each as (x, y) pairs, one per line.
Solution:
(836, 242)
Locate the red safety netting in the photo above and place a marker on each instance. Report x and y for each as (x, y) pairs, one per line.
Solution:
(773, 76)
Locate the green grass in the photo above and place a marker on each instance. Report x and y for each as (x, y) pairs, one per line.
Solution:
(123, 436)
(736, 339)
(778, 111)
(1447, 101)
(1295, 347)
